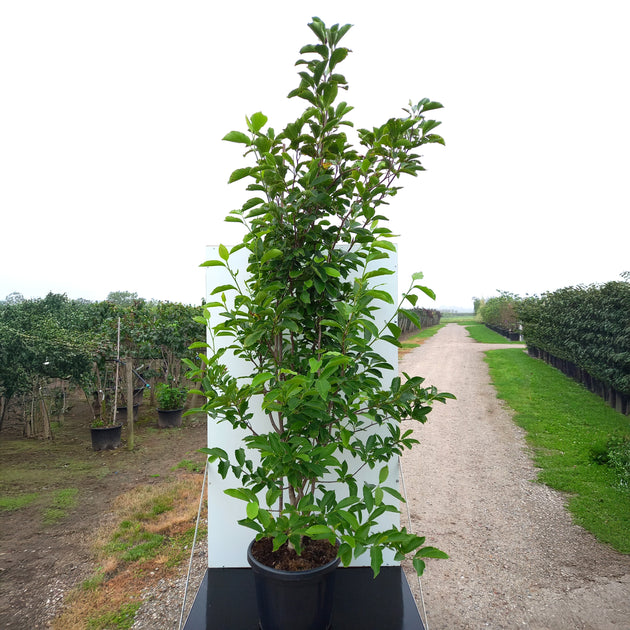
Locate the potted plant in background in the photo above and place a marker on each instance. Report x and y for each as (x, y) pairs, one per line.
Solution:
(304, 318)
(170, 405)
(105, 429)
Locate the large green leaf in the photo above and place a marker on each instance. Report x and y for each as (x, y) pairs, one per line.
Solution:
(237, 136)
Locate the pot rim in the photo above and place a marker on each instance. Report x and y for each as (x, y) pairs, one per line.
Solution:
(290, 576)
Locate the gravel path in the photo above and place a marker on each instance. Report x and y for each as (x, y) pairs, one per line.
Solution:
(517, 561)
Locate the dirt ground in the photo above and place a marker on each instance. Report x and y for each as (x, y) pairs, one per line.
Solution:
(39, 563)
(517, 561)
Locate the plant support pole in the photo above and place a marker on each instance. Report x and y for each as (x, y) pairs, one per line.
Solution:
(130, 418)
(116, 383)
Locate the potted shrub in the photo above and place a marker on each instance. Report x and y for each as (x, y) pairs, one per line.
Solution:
(170, 405)
(105, 429)
(303, 318)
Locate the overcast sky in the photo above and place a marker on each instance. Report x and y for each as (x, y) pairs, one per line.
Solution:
(113, 175)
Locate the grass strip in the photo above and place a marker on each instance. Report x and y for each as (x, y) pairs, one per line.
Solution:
(481, 333)
(8, 504)
(568, 427)
(63, 500)
(121, 619)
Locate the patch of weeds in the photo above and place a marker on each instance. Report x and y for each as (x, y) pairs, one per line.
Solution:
(131, 542)
(190, 466)
(121, 619)
(616, 455)
(159, 505)
(9, 504)
(94, 582)
(63, 500)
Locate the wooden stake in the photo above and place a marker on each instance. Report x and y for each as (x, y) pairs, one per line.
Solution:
(129, 367)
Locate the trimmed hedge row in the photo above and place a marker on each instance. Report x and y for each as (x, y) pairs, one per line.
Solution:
(428, 317)
(584, 331)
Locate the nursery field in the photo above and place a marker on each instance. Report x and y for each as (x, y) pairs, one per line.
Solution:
(63, 513)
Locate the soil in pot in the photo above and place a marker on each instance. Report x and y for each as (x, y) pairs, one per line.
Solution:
(315, 553)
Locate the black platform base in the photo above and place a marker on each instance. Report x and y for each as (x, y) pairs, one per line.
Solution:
(226, 601)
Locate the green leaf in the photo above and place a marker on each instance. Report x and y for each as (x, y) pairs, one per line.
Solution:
(425, 290)
(376, 559)
(237, 136)
(223, 287)
(378, 495)
(236, 493)
(318, 530)
(314, 364)
(434, 139)
(331, 271)
(252, 510)
(345, 553)
(330, 94)
(270, 254)
(338, 55)
(259, 379)
(317, 26)
(239, 173)
(214, 453)
(198, 344)
(385, 245)
(417, 276)
(418, 565)
(258, 121)
(345, 436)
(212, 263)
(410, 297)
(383, 474)
(368, 499)
(380, 295)
(223, 252)
(323, 387)
(394, 493)
(431, 552)
(411, 316)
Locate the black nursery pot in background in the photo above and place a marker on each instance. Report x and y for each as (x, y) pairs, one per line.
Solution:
(294, 600)
(170, 418)
(106, 438)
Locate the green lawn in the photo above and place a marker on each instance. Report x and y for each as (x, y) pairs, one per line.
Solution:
(568, 428)
(482, 334)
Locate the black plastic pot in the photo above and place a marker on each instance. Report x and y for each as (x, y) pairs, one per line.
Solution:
(170, 418)
(106, 438)
(138, 396)
(294, 600)
(121, 413)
